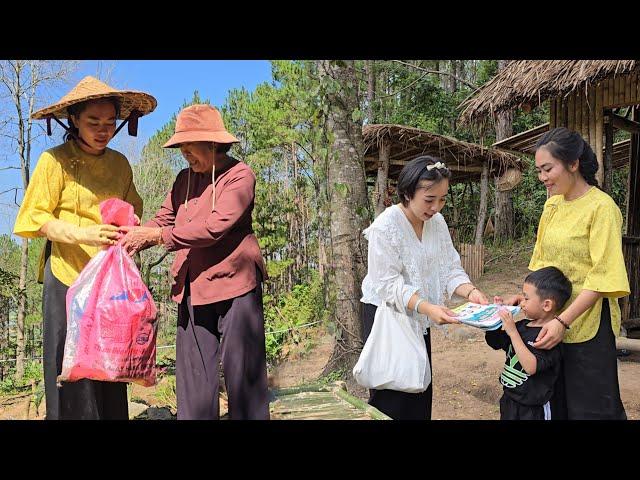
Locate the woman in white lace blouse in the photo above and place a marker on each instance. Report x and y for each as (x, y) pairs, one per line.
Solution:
(412, 266)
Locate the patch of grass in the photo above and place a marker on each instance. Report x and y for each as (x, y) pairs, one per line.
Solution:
(166, 393)
(166, 362)
(332, 376)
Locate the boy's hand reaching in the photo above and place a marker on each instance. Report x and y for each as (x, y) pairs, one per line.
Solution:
(510, 300)
(508, 325)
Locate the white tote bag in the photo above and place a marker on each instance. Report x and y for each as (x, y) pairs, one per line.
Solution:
(394, 356)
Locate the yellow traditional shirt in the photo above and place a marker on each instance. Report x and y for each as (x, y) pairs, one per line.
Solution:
(583, 238)
(68, 184)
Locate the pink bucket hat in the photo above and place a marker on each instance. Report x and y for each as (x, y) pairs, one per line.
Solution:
(199, 123)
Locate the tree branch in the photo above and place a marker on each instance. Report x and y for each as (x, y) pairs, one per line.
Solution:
(403, 88)
(10, 190)
(436, 72)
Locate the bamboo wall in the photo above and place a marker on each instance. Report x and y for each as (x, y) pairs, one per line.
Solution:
(472, 259)
(583, 110)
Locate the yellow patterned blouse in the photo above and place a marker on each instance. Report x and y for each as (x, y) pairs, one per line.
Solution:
(69, 184)
(583, 238)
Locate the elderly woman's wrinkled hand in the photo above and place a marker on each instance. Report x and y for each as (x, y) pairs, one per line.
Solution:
(139, 238)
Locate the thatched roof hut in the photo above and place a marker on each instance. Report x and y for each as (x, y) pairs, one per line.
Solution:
(594, 98)
(388, 148)
(525, 143)
(526, 83)
(464, 159)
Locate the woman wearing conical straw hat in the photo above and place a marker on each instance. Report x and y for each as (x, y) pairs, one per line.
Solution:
(61, 203)
(218, 271)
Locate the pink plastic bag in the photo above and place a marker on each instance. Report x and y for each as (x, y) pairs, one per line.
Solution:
(111, 329)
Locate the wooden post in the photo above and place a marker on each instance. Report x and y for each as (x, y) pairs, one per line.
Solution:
(383, 175)
(633, 192)
(627, 89)
(571, 111)
(605, 93)
(484, 199)
(472, 259)
(463, 256)
(612, 92)
(631, 344)
(608, 152)
(620, 92)
(592, 119)
(561, 107)
(599, 133)
(625, 124)
(584, 129)
(631, 241)
(592, 129)
(552, 114)
(578, 105)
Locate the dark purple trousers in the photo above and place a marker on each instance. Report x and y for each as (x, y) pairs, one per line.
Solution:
(231, 331)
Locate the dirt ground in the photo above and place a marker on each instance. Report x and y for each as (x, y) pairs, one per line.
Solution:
(465, 378)
(465, 368)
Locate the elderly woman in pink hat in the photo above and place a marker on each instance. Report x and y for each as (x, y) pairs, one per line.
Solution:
(218, 271)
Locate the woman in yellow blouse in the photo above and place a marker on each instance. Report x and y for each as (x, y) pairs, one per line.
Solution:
(580, 232)
(62, 204)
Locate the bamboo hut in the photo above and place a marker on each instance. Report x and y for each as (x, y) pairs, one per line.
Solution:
(388, 148)
(593, 97)
(525, 142)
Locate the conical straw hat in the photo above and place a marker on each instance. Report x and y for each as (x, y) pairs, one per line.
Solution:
(90, 88)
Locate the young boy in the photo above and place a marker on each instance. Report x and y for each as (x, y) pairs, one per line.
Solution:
(529, 374)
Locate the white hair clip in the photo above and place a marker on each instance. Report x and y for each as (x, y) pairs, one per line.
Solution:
(437, 165)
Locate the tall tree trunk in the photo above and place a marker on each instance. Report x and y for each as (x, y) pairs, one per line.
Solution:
(348, 211)
(461, 71)
(504, 227)
(22, 310)
(23, 142)
(4, 326)
(453, 88)
(383, 175)
(484, 197)
(371, 91)
(453, 83)
(445, 84)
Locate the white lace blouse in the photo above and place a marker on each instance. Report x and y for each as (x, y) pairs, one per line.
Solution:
(400, 264)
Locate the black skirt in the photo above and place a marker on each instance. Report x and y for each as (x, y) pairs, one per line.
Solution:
(588, 387)
(398, 405)
(84, 399)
